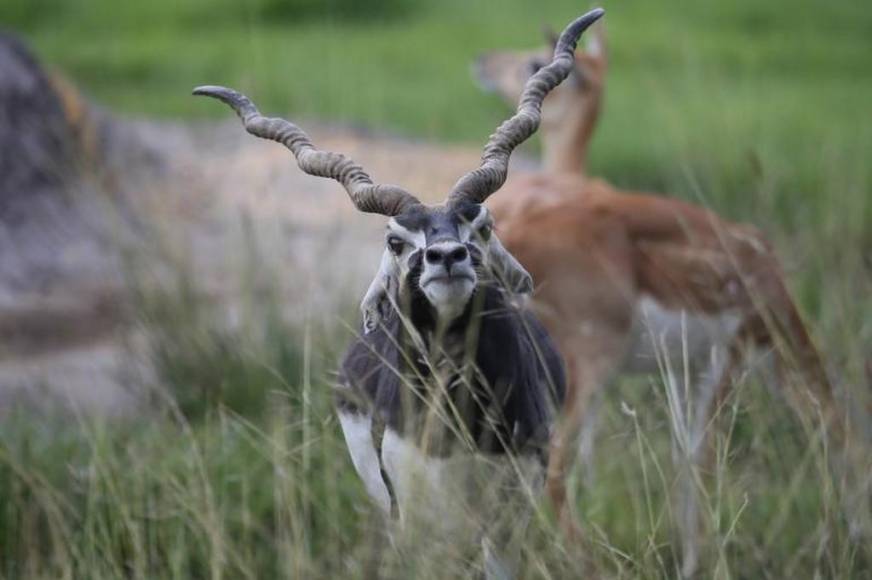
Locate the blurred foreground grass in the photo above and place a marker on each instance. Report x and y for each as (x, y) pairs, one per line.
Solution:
(759, 110)
(236, 469)
(253, 481)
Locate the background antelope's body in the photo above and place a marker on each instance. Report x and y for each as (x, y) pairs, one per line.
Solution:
(634, 283)
(626, 281)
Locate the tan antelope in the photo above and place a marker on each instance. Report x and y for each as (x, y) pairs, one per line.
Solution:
(573, 108)
(631, 282)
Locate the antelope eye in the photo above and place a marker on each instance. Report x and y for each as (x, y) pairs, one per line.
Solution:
(484, 232)
(396, 245)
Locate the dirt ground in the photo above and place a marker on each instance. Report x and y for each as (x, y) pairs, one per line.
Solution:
(198, 196)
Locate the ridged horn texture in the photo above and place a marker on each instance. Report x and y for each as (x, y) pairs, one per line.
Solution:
(368, 197)
(480, 183)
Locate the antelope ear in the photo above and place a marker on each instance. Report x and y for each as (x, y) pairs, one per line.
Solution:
(377, 300)
(595, 44)
(550, 35)
(508, 270)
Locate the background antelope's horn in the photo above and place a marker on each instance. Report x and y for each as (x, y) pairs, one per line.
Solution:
(368, 197)
(478, 184)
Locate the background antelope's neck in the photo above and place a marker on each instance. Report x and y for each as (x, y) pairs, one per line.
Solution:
(566, 130)
(565, 151)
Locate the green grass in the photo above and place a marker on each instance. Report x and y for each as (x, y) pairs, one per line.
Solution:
(222, 496)
(237, 469)
(758, 109)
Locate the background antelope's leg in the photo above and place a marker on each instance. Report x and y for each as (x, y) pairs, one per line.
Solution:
(801, 374)
(735, 359)
(587, 440)
(690, 448)
(590, 364)
(590, 296)
(777, 325)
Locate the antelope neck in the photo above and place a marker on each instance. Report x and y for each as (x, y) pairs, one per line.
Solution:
(562, 153)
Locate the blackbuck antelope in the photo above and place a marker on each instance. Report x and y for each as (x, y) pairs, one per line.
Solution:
(631, 282)
(446, 398)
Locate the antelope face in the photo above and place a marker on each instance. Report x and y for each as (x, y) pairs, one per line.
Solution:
(440, 251)
(506, 72)
(434, 250)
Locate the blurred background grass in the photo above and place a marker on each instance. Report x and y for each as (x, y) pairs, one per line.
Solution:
(712, 99)
(760, 110)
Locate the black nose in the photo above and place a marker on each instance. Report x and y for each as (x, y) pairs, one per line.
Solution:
(446, 255)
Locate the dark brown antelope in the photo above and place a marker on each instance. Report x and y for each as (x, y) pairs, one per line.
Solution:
(633, 283)
(446, 398)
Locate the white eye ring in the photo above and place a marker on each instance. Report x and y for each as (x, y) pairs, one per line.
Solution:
(396, 244)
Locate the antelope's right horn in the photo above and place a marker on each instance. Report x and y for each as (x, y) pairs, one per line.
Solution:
(480, 183)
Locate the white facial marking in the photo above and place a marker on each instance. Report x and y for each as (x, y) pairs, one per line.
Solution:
(449, 298)
(416, 240)
(376, 301)
(448, 280)
(509, 271)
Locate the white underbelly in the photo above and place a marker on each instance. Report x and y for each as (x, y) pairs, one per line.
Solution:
(460, 496)
(449, 508)
(451, 493)
(357, 429)
(677, 336)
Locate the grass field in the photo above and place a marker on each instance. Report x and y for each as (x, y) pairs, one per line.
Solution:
(762, 111)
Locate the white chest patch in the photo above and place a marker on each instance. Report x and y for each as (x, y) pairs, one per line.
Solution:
(660, 333)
